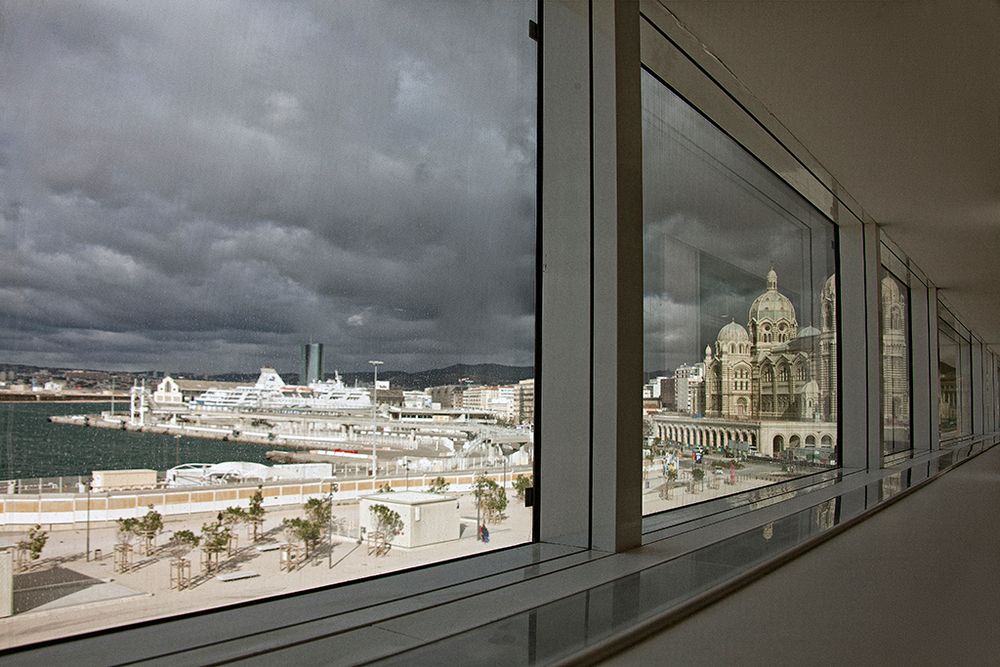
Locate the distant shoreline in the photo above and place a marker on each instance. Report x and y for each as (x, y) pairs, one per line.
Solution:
(29, 398)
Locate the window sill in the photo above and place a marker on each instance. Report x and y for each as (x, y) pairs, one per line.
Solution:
(537, 603)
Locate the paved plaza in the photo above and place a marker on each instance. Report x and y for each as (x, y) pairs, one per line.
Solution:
(63, 594)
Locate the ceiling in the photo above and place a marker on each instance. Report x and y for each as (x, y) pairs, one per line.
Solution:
(900, 101)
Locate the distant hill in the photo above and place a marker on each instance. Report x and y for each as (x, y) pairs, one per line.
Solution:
(473, 373)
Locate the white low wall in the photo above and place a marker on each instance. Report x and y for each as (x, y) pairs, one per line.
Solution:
(68, 508)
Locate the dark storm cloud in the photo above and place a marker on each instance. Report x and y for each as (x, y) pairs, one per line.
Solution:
(715, 222)
(203, 186)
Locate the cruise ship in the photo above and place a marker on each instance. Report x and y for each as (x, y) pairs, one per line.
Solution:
(271, 393)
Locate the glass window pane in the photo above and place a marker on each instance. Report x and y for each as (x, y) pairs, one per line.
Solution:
(222, 222)
(954, 364)
(894, 333)
(740, 316)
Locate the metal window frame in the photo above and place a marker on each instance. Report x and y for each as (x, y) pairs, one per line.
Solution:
(679, 61)
(589, 343)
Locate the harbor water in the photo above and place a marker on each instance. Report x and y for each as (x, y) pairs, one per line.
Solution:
(31, 446)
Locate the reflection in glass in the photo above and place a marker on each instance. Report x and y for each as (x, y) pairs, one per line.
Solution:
(740, 316)
(894, 334)
(954, 362)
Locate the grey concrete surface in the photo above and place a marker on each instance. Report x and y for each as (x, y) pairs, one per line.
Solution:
(915, 584)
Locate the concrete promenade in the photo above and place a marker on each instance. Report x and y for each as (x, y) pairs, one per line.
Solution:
(105, 599)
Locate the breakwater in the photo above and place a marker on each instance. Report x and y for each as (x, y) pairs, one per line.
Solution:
(32, 446)
(205, 432)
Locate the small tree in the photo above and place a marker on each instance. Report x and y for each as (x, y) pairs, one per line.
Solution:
(34, 543)
(438, 485)
(256, 512)
(386, 524)
(490, 498)
(385, 488)
(126, 530)
(185, 538)
(233, 516)
(214, 540)
(303, 530)
(230, 518)
(319, 510)
(698, 475)
(180, 565)
(521, 484)
(148, 527)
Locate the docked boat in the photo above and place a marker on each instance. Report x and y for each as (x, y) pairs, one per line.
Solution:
(271, 393)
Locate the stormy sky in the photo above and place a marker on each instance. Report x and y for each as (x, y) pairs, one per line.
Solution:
(715, 222)
(203, 186)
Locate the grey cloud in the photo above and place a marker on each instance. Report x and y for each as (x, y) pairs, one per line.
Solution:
(244, 176)
(715, 222)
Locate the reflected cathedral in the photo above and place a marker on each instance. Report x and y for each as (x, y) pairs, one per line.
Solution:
(769, 386)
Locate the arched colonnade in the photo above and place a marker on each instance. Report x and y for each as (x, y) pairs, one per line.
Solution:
(708, 435)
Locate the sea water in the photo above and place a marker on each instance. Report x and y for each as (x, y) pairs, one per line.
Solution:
(31, 446)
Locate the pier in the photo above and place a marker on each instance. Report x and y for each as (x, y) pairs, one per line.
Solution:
(333, 438)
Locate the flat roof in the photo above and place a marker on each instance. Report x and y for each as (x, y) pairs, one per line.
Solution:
(409, 498)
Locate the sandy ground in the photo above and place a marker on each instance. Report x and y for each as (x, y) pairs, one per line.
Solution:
(144, 592)
(713, 486)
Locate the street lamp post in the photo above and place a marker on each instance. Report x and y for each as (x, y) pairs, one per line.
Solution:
(88, 520)
(375, 364)
(329, 534)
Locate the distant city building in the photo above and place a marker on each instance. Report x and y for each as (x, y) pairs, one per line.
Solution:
(417, 399)
(525, 401)
(668, 393)
(441, 415)
(504, 402)
(654, 388)
(687, 387)
(498, 399)
(391, 397)
(447, 395)
(168, 392)
(476, 397)
(312, 363)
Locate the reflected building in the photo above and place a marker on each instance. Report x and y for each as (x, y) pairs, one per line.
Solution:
(895, 363)
(768, 386)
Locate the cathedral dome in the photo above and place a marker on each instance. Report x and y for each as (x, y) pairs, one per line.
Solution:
(733, 333)
(772, 304)
(830, 287)
(890, 290)
(808, 331)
